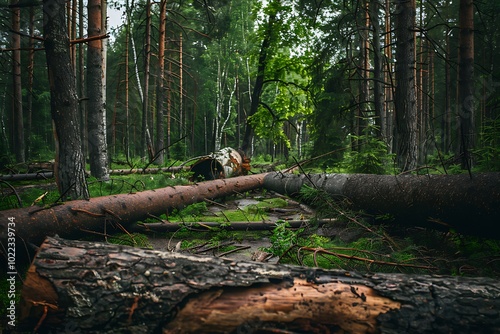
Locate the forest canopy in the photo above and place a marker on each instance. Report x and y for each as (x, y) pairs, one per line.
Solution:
(282, 80)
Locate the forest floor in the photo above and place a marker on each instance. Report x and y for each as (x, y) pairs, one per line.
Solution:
(240, 245)
(323, 236)
(342, 242)
(348, 241)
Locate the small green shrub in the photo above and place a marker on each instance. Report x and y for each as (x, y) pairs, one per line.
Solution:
(372, 156)
(134, 239)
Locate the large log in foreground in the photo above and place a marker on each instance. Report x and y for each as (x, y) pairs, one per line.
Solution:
(93, 287)
(69, 219)
(470, 206)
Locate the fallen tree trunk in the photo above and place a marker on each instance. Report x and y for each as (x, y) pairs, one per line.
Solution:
(99, 288)
(172, 169)
(70, 219)
(43, 175)
(224, 163)
(470, 206)
(228, 226)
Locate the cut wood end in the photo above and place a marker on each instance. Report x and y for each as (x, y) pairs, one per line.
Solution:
(38, 296)
(352, 308)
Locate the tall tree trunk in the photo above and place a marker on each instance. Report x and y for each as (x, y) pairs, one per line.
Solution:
(378, 79)
(127, 81)
(98, 151)
(259, 81)
(72, 30)
(160, 95)
(70, 164)
(102, 288)
(182, 118)
(81, 82)
(18, 143)
(420, 89)
(405, 98)
(169, 108)
(388, 79)
(466, 82)
(31, 70)
(145, 150)
(446, 119)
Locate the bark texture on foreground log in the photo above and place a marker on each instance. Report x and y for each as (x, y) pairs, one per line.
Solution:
(69, 219)
(99, 288)
(471, 206)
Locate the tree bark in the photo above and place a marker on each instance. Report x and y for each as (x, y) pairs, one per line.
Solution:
(466, 82)
(378, 78)
(226, 162)
(471, 206)
(70, 164)
(405, 97)
(98, 151)
(145, 148)
(101, 288)
(161, 96)
(74, 218)
(18, 144)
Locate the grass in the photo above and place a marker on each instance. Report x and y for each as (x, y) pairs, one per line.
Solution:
(44, 192)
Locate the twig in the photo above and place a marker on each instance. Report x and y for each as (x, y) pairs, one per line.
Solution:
(366, 260)
(234, 250)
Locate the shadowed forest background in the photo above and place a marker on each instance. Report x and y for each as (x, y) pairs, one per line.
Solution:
(184, 78)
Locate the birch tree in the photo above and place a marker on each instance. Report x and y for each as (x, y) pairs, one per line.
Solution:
(96, 95)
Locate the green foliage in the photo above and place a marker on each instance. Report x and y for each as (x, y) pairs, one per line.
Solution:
(488, 154)
(282, 239)
(194, 210)
(370, 158)
(133, 239)
(46, 193)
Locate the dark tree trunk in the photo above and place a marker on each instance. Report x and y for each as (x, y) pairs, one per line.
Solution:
(70, 164)
(405, 97)
(466, 82)
(470, 206)
(259, 82)
(160, 94)
(98, 147)
(146, 149)
(101, 288)
(17, 95)
(378, 79)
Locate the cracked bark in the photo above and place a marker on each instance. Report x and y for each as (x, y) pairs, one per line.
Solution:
(102, 288)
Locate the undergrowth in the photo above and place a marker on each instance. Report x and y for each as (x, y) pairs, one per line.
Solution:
(381, 248)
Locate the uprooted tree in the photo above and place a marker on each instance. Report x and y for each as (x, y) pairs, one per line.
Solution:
(98, 288)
